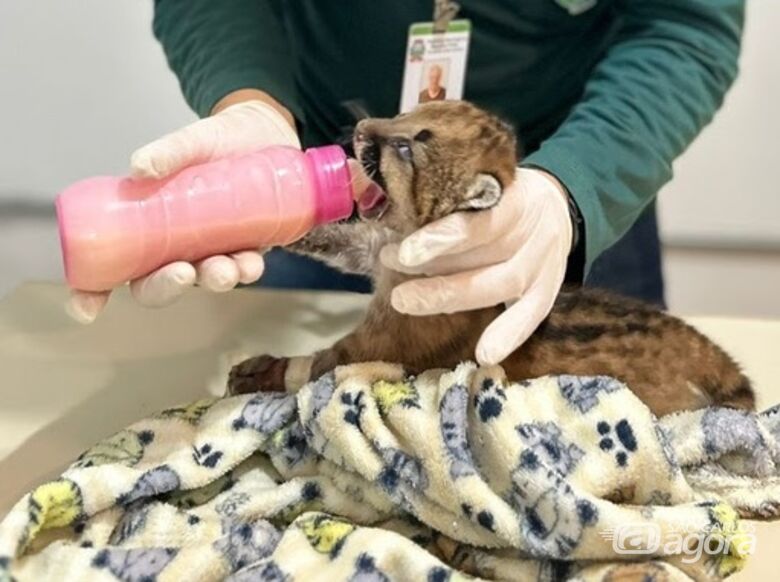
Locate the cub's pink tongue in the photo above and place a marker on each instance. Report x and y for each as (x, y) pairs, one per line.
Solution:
(360, 181)
(372, 197)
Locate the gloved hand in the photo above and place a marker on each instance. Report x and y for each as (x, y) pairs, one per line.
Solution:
(237, 129)
(514, 253)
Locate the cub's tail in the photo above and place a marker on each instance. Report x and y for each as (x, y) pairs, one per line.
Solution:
(736, 392)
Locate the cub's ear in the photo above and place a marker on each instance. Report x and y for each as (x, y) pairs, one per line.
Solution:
(484, 192)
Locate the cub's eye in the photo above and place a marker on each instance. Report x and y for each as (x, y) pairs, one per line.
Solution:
(404, 150)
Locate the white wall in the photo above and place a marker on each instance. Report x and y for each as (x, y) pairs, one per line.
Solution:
(81, 85)
(726, 188)
(721, 282)
(720, 216)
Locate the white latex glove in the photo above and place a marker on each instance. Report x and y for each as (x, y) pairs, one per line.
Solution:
(237, 129)
(514, 253)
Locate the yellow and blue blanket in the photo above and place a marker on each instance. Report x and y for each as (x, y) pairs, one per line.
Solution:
(368, 475)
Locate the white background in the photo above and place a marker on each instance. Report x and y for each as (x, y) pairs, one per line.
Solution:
(82, 83)
(727, 187)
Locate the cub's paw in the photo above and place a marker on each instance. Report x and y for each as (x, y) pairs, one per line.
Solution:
(258, 374)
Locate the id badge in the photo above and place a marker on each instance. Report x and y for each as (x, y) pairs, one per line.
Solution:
(435, 67)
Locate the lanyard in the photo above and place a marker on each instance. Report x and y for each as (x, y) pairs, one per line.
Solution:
(443, 12)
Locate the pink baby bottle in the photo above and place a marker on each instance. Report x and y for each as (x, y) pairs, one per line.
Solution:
(114, 229)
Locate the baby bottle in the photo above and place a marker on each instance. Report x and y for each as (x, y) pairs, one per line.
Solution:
(113, 229)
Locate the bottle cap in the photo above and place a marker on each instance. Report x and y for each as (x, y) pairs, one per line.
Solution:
(334, 183)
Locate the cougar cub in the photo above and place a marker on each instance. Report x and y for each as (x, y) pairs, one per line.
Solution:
(447, 157)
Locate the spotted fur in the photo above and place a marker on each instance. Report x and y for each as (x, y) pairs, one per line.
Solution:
(446, 157)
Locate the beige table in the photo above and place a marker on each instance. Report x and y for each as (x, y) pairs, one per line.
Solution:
(64, 386)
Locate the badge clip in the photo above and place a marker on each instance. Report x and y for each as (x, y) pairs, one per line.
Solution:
(444, 11)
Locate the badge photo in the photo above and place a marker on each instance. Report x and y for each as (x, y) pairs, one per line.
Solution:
(435, 67)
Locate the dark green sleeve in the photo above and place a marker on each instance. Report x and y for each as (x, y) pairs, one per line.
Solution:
(660, 82)
(216, 47)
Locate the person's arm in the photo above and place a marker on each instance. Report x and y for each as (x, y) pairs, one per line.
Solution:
(219, 50)
(232, 61)
(660, 82)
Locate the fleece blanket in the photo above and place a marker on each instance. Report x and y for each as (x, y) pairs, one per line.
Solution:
(371, 475)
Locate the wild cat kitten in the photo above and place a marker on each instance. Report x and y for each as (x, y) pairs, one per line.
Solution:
(447, 157)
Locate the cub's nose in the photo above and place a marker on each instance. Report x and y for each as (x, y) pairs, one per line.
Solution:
(362, 133)
(366, 146)
(369, 130)
(360, 139)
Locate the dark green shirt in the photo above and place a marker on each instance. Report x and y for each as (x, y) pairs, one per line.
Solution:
(604, 100)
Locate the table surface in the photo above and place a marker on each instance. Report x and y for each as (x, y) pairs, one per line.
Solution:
(65, 386)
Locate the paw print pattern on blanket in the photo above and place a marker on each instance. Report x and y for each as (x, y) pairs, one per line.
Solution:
(400, 468)
(289, 445)
(309, 499)
(354, 405)
(366, 571)
(265, 571)
(619, 440)
(266, 413)
(206, 456)
(124, 448)
(489, 402)
(553, 519)
(439, 574)
(453, 425)
(583, 391)
(484, 517)
(542, 513)
(159, 480)
(134, 565)
(245, 543)
(552, 516)
(546, 448)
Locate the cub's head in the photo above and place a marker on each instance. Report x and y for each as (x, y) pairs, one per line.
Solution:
(443, 157)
